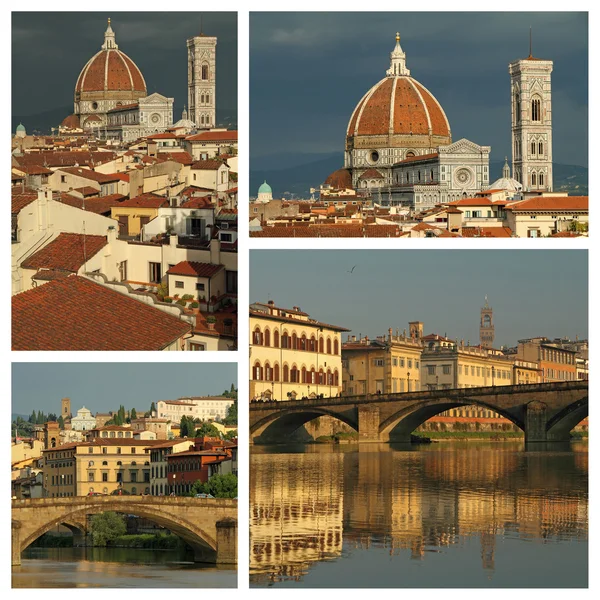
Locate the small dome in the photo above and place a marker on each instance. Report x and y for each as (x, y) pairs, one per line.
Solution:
(70, 122)
(20, 127)
(340, 180)
(265, 188)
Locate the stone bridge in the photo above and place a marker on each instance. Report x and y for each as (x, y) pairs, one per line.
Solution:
(208, 525)
(545, 411)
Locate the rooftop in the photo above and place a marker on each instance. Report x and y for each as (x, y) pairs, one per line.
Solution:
(78, 314)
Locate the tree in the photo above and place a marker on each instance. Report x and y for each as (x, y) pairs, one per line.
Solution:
(153, 408)
(61, 422)
(33, 418)
(183, 427)
(222, 486)
(133, 414)
(231, 418)
(231, 435)
(207, 429)
(106, 527)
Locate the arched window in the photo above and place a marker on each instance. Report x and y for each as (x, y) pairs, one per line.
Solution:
(268, 372)
(541, 179)
(285, 340)
(321, 344)
(328, 345)
(257, 373)
(104, 463)
(276, 339)
(419, 175)
(541, 148)
(536, 110)
(294, 341)
(257, 338)
(409, 154)
(204, 72)
(313, 376)
(431, 174)
(276, 372)
(533, 179)
(517, 107)
(303, 342)
(336, 378)
(286, 373)
(407, 178)
(267, 337)
(294, 375)
(313, 344)
(321, 378)
(329, 377)
(303, 372)
(533, 148)
(336, 347)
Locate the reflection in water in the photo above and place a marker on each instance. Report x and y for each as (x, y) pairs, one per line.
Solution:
(336, 516)
(116, 568)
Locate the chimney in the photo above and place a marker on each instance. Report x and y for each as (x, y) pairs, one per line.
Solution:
(390, 331)
(353, 338)
(271, 302)
(215, 252)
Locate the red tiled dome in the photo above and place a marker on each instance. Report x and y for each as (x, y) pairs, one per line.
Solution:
(340, 179)
(71, 122)
(110, 71)
(399, 105)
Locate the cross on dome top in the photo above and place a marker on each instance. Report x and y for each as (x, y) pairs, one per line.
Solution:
(397, 60)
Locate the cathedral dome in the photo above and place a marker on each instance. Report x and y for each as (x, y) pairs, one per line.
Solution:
(398, 112)
(110, 71)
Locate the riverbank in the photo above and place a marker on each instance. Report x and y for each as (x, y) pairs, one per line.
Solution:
(147, 541)
(444, 436)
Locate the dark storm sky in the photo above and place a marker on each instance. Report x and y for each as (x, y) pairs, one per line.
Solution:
(309, 70)
(50, 49)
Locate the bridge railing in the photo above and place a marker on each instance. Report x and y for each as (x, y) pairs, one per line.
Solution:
(437, 393)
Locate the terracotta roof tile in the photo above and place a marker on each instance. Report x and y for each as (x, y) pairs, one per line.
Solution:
(146, 201)
(89, 174)
(99, 206)
(78, 314)
(214, 136)
(87, 190)
(66, 252)
(207, 165)
(20, 198)
(51, 274)
(195, 269)
(198, 202)
(551, 203)
(493, 232)
(184, 158)
(371, 174)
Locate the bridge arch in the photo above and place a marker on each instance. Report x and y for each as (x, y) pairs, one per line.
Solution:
(278, 426)
(203, 544)
(402, 423)
(559, 426)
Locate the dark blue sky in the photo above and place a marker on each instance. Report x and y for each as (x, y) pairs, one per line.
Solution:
(309, 70)
(532, 292)
(50, 49)
(105, 386)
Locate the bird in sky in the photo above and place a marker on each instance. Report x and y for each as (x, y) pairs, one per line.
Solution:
(351, 270)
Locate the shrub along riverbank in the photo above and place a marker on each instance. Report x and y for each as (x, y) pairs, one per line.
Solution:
(158, 541)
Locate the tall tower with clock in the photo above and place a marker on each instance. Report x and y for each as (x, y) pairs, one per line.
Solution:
(486, 326)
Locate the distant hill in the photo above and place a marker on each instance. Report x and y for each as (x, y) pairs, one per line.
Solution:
(42, 123)
(300, 177)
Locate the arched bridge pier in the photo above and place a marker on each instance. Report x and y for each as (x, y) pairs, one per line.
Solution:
(545, 412)
(208, 525)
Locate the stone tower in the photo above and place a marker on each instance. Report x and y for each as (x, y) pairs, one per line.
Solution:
(415, 329)
(66, 408)
(51, 435)
(486, 326)
(202, 80)
(531, 109)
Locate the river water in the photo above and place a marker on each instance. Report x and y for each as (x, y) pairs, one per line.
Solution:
(116, 568)
(461, 515)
